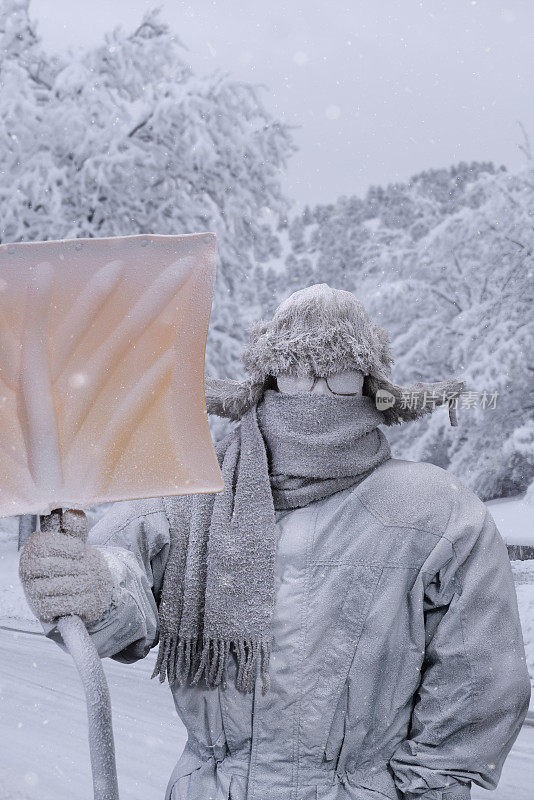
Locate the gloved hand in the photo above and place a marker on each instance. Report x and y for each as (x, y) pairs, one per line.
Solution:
(63, 575)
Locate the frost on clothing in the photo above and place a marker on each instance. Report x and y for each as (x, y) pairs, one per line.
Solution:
(218, 591)
(319, 331)
(397, 666)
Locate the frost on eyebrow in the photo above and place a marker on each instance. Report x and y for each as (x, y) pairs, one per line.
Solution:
(102, 345)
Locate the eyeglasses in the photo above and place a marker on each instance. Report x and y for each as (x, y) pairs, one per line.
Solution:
(346, 383)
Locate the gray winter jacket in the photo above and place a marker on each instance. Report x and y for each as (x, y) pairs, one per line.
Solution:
(398, 666)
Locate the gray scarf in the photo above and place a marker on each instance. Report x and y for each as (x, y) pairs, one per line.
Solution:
(218, 590)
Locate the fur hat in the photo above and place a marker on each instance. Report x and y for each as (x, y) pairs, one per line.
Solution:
(319, 331)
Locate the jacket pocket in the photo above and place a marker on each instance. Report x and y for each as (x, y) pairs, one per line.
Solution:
(202, 782)
(180, 789)
(193, 779)
(351, 791)
(375, 785)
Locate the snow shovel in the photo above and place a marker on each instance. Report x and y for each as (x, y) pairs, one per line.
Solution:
(102, 345)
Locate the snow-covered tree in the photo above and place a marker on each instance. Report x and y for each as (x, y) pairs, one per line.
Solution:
(445, 262)
(18, 39)
(125, 139)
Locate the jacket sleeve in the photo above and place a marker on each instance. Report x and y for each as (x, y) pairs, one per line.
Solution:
(474, 690)
(133, 536)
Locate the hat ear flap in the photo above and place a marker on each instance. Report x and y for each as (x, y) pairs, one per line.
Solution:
(407, 403)
(384, 356)
(230, 399)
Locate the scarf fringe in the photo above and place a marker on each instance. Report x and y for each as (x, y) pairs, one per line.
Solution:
(181, 659)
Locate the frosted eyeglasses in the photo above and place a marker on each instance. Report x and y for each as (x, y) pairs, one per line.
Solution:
(340, 383)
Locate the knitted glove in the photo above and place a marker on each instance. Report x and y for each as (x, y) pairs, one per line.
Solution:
(61, 574)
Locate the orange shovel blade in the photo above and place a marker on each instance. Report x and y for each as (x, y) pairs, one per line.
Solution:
(102, 345)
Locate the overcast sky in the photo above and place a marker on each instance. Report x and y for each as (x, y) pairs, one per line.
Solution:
(379, 90)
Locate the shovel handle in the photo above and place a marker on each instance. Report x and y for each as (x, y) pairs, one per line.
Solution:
(88, 663)
(101, 744)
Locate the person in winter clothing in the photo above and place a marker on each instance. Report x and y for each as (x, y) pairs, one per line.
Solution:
(336, 623)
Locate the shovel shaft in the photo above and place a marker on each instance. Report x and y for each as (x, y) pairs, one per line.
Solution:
(101, 744)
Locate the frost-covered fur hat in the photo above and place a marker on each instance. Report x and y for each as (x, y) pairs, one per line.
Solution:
(319, 331)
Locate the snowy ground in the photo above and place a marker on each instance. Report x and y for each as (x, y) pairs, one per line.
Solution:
(42, 710)
(43, 729)
(514, 517)
(13, 606)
